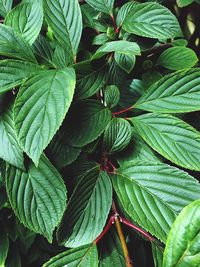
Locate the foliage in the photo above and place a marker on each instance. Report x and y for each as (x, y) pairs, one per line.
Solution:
(99, 127)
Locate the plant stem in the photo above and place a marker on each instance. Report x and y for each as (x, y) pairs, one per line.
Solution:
(114, 23)
(123, 242)
(105, 230)
(122, 111)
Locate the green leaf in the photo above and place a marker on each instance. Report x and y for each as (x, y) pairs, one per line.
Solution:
(38, 196)
(157, 255)
(10, 150)
(65, 20)
(85, 122)
(154, 193)
(177, 58)
(116, 136)
(171, 137)
(12, 44)
(111, 96)
(105, 6)
(60, 57)
(4, 246)
(180, 42)
(15, 72)
(87, 210)
(182, 3)
(126, 62)
(40, 107)
(100, 39)
(5, 7)
(81, 257)
(182, 247)
(26, 18)
(124, 11)
(123, 47)
(175, 93)
(152, 20)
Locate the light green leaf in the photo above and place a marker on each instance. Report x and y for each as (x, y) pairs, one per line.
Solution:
(4, 246)
(12, 44)
(100, 39)
(182, 247)
(5, 7)
(177, 58)
(152, 20)
(124, 11)
(126, 62)
(183, 3)
(26, 18)
(85, 122)
(123, 47)
(171, 137)
(105, 6)
(81, 257)
(154, 193)
(87, 210)
(116, 136)
(40, 107)
(65, 20)
(111, 96)
(15, 72)
(38, 196)
(10, 150)
(175, 93)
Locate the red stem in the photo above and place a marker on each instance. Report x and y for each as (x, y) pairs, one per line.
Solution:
(105, 230)
(122, 111)
(114, 23)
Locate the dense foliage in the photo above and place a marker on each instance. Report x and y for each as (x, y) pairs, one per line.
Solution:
(99, 140)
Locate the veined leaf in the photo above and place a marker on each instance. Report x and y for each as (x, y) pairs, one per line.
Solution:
(65, 20)
(124, 11)
(15, 72)
(40, 107)
(87, 122)
(5, 7)
(123, 47)
(38, 196)
(81, 257)
(10, 150)
(175, 93)
(105, 6)
(111, 96)
(26, 18)
(87, 209)
(4, 246)
(177, 58)
(157, 255)
(182, 246)
(173, 138)
(154, 193)
(126, 62)
(151, 20)
(12, 44)
(183, 3)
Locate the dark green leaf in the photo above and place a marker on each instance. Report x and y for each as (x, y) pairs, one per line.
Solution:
(183, 3)
(4, 246)
(111, 96)
(105, 6)
(126, 62)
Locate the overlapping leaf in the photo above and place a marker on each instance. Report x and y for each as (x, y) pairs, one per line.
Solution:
(5, 7)
(111, 96)
(38, 196)
(40, 108)
(154, 193)
(126, 62)
(105, 6)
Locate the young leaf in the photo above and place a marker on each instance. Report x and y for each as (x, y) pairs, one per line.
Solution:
(182, 246)
(87, 209)
(15, 72)
(38, 196)
(65, 20)
(152, 20)
(116, 136)
(177, 58)
(40, 107)
(126, 62)
(26, 18)
(5, 7)
(175, 93)
(154, 193)
(10, 150)
(183, 3)
(171, 137)
(85, 122)
(12, 44)
(105, 6)
(123, 47)
(111, 96)
(81, 256)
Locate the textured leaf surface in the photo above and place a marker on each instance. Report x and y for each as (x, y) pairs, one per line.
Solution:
(83, 128)
(10, 150)
(182, 3)
(40, 107)
(105, 6)
(26, 18)
(81, 257)
(177, 58)
(154, 193)
(175, 93)
(117, 135)
(182, 247)
(87, 209)
(38, 196)
(126, 62)
(12, 44)
(65, 20)
(157, 255)
(151, 20)
(124, 11)
(111, 96)
(15, 72)
(171, 137)
(5, 7)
